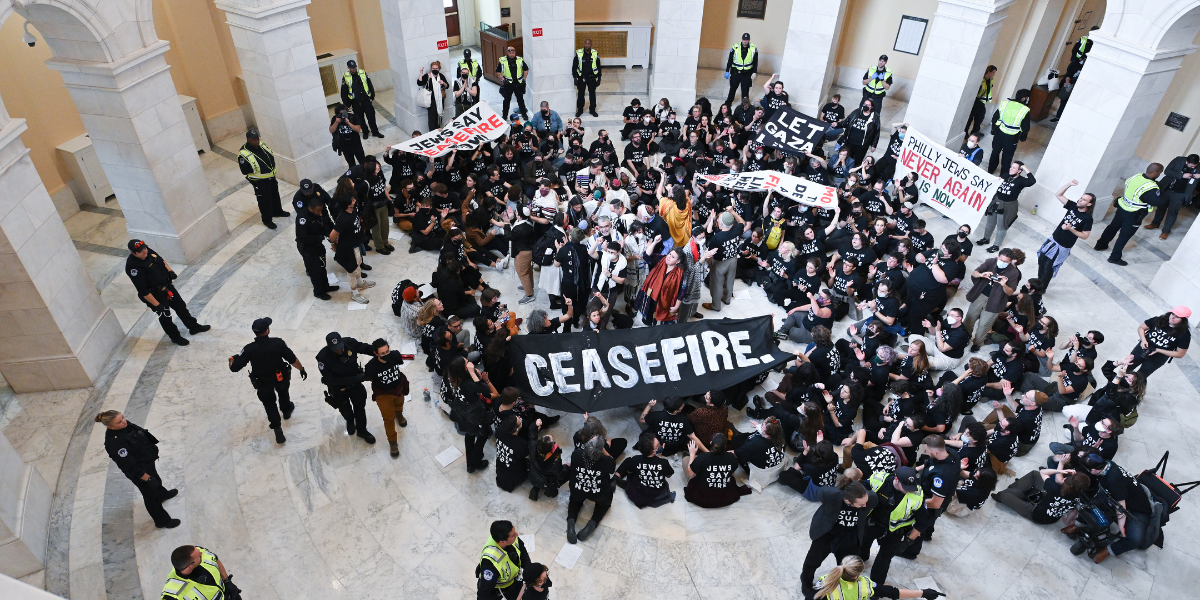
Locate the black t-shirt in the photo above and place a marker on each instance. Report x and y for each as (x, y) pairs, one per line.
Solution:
(760, 452)
(1074, 379)
(669, 428)
(715, 470)
(877, 459)
(1031, 424)
(833, 113)
(591, 478)
(847, 284)
(1167, 339)
(1081, 221)
(958, 339)
(972, 388)
(1011, 185)
(1122, 485)
(727, 243)
(1105, 447)
(1006, 368)
(1052, 505)
(650, 473)
(636, 155)
(512, 459)
(773, 102)
(633, 112)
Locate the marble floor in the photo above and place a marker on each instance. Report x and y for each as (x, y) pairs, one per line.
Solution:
(328, 516)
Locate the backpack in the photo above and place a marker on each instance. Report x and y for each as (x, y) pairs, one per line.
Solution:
(543, 250)
(775, 235)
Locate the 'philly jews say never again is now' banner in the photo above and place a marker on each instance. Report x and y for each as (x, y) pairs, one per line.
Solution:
(789, 186)
(587, 372)
(791, 131)
(475, 127)
(950, 183)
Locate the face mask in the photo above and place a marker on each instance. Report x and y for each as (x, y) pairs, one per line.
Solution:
(951, 320)
(545, 112)
(901, 136)
(1001, 264)
(758, 155)
(971, 145)
(962, 235)
(966, 439)
(1100, 427)
(435, 71)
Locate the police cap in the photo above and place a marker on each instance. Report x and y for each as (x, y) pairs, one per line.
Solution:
(306, 186)
(334, 341)
(261, 325)
(136, 245)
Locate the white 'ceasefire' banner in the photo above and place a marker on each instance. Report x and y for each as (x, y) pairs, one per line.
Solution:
(798, 189)
(475, 127)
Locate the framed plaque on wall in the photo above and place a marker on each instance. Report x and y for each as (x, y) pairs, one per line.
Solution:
(752, 9)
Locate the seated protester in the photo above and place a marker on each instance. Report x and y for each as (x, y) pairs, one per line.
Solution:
(539, 322)
(670, 426)
(508, 162)
(816, 467)
(456, 298)
(878, 379)
(773, 224)
(1029, 413)
(1046, 495)
(1005, 364)
(1118, 400)
(971, 444)
(601, 143)
(534, 171)
(593, 428)
(904, 225)
(776, 271)
(973, 382)
(592, 480)
(855, 248)
(1017, 321)
(867, 340)
(512, 454)
(479, 234)
(1039, 340)
(801, 320)
(1072, 379)
(947, 342)
(942, 408)
(927, 281)
(1097, 438)
(426, 231)
(841, 408)
(632, 117)
(546, 470)
(713, 418)
(824, 355)
(921, 240)
(880, 459)
(845, 283)
(840, 166)
(762, 455)
(906, 436)
(1003, 442)
(1124, 489)
(804, 282)
(914, 367)
(646, 477)
(884, 308)
(890, 266)
(710, 475)
(446, 350)
(749, 255)
(811, 240)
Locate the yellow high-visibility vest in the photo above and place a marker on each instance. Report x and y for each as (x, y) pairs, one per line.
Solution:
(595, 63)
(875, 84)
(251, 158)
(744, 63)
(1080, 53)
(859, 589)
(504, 564)
(985, 91)
(1135, 186)
(1012, 113)
(473, 68)
(506, 70)
(905, 513)
(185, 589)
(348, 78)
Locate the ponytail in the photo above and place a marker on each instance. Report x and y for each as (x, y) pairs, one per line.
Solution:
(851, 568)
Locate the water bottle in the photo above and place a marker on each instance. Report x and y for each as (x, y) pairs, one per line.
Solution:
(1035, 209)
(426, 394)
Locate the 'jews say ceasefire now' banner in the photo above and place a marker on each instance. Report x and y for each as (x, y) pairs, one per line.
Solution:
(791, 131)
(797, 188)
(475, 127)
(587, 372)
(950, 183)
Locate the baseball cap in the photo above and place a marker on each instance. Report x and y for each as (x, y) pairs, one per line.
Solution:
(351, 64)
(306, 186)
(745, 36)
(334, 341)
(1182, 312)
(261, 325)
(252, 133)
(136, 245)
(907, 476)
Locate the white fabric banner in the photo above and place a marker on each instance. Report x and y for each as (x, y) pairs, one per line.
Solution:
(950, 183)
(475, 127)
(788, 186)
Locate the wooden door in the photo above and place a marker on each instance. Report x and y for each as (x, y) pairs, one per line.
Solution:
(453, 32)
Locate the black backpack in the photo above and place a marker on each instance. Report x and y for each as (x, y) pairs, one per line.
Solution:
(544, 251)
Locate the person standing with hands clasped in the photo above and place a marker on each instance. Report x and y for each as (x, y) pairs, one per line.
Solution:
(257, 163)
(876, 82)
(135, 451)
(741, 67)
(152, 277)
(358, 91)
(1141, 195)
(513, 70)
(500, 563)
(1075, 225)
(271, 363)
(586, 69)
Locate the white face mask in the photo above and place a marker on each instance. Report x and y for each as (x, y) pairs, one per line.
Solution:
(966, 439)
(1100, 427)
(758, 155)
(1001, 264)
(671, 119)
(951, 320)
(971, 145)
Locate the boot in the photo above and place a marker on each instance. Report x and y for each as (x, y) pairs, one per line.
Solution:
(395, 448)
(533, 494)
(199, 329)
(279, 439)
(180, 340)
(350, 428)
(1101, 555)
(366, 435)
(400, 420)
(572, 537)
(587, 531)
(1070, 529)
(552, 492)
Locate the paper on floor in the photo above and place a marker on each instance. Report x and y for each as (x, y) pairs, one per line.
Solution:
(395, 235)
(356, 306)
(927, 582)
(741, 295)
(448, 456)
(568, 555)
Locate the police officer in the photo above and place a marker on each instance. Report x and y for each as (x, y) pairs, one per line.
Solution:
(514, 71)
(1141, 196)
(1010, 124)
(982, 98)
(500, 563)
(341, 373)
(1079, 52)
(740, 68)
(357, 91)
(892, 520)
(1179, 185)
(586, 69)
(313, 226)
(134, 450)
(876, 82)
(471, 65)
(257, 163)
(271, 363)
(939, 480)
(198, 574)
(152, 277)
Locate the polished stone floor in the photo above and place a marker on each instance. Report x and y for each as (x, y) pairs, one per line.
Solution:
(327, 516)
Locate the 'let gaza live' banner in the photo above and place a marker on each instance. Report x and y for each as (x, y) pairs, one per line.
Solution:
(475, 127)
(798, 189)
(950, 183)
(587, 372)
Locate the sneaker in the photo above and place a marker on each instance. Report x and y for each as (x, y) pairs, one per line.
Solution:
(366, 285)
(993, 248)
(1101, 247)
(526, 299)
(359, 298)
(781, 335)
(199, 329)
(759, 402)
(982, 241)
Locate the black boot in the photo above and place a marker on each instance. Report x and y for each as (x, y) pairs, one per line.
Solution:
(366, 435)
(199, 329)
(180, 340)
(571, 535)
(279, 439)
(587, 530)
(533, 494)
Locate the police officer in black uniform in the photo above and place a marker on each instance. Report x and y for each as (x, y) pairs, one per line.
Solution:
(152, 277)
(271, 363)
(341, 373)
(939, 479)
(358, 91)
(313, 227)
(134, 450)
(257, 163)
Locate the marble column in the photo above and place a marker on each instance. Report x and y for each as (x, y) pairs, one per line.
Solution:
(809, 52)
(132, 114)
(957, 50)
(1178, 280)
(279, 65)
(549, 45)
(676, 53)
(1110, 109)
(24, 515)
(413, 30)
(55, 333)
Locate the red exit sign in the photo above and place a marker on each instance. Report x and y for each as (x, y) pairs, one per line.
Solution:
(442, 45)
(537, 32)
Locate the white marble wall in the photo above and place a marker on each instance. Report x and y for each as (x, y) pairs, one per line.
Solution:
(808, 53)
(412, 29)
(279, 65)
(549, 55)
(24, 515)
(1178, 280)
(957, 49)
(676, 53)
(1109, 111)
(55, 333)
(132, 113)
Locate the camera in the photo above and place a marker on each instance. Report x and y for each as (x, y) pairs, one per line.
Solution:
(995, 278)
(28, 37)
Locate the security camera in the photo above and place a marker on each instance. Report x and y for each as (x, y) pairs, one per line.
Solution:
(28, 37)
